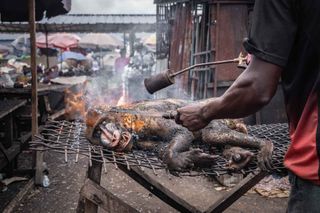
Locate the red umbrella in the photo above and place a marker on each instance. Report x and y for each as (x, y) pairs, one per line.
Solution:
(58, 40)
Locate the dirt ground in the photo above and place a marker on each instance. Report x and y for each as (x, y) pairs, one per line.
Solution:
(66, 179)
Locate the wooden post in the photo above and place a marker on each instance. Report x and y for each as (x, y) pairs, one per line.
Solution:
(47, 46)
(34, 96)
(215, 85)
(94, 174)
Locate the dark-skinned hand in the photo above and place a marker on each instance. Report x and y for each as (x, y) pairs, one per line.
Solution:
(191, 117)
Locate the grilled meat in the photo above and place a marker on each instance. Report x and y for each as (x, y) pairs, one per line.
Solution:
(122, 131)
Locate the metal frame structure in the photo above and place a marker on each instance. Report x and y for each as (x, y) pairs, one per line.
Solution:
(68, 138)
(104, 23)
(202, 38)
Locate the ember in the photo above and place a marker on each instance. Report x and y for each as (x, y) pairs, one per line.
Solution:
(130, 121)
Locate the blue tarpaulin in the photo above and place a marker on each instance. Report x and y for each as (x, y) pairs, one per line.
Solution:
(72, 55)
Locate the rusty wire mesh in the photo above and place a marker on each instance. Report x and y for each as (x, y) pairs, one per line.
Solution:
(68, 138)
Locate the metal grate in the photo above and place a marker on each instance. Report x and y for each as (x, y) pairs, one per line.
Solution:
(68, 138)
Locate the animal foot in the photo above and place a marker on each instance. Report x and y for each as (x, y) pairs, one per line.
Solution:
(180, 161)
(265, 156)
(186, 160)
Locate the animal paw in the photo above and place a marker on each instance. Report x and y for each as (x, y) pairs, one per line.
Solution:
(265, 156)
(184, 160)
(180, 161)
(201, 159)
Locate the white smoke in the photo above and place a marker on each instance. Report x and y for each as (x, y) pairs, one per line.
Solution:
(113, 7)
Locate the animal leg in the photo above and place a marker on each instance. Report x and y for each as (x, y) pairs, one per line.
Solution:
(178, 155)
(217, 134)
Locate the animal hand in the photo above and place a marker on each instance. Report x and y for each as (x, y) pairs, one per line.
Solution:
(191, 117)
(184, 160)
(180, 161)
(265, 156)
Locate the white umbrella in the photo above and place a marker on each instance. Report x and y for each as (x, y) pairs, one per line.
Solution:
(151, 40)
(101, 40)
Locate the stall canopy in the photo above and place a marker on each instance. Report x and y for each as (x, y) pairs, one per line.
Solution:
(150, 40)
(72, 55)
(17, 10)
(58, 40)
(101, 40)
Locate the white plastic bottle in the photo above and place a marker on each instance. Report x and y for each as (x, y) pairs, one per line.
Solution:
(45, 181)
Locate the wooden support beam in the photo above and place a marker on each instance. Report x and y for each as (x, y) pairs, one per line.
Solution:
(17, 199)
(104, 199)
(38, 159)
(236, 192)
(94, 174)
(158, 189)
(10, 153)
(57, 115)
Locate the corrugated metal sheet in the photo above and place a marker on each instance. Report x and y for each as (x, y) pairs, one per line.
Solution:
(108, 23)
(199, 1)
(102, 18)
(168, 1)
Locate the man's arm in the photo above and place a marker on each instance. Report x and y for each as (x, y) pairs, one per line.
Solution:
(252, 90)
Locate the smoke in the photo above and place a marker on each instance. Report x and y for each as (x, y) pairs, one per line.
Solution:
(101, 91)
(113, 7)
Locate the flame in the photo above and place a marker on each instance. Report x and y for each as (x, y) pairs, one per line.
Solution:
(79, 99)
(75, 106)
(130, 121)
(124, 100)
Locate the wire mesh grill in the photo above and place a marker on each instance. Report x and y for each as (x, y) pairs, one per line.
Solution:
(68, 138)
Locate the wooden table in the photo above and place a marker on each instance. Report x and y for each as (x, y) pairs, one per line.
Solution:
(43, 89)
(92, 195)
(47, 94)
(9, 147)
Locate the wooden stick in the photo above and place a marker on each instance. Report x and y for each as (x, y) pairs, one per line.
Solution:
(90, 161)
(66, 154)
(104, 161)
(77, 155)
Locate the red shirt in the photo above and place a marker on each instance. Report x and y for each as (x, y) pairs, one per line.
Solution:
(286, 33)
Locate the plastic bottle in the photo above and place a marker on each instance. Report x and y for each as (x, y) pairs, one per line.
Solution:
(45, 181)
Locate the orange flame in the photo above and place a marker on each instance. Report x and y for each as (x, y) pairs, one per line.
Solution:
(78, 101)
(130, 121)
(75, 106)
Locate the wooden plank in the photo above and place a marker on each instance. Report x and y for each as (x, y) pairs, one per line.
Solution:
(240, 189)
(8, 106)
(11, 153)
(158, 189)
(16, 200)
(104, 199)
(57, 115)
(43, 89)
(8, 131)
(47, 104)
(94, 174)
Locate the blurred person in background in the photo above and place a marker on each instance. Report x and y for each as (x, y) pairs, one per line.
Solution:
(121, 62)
